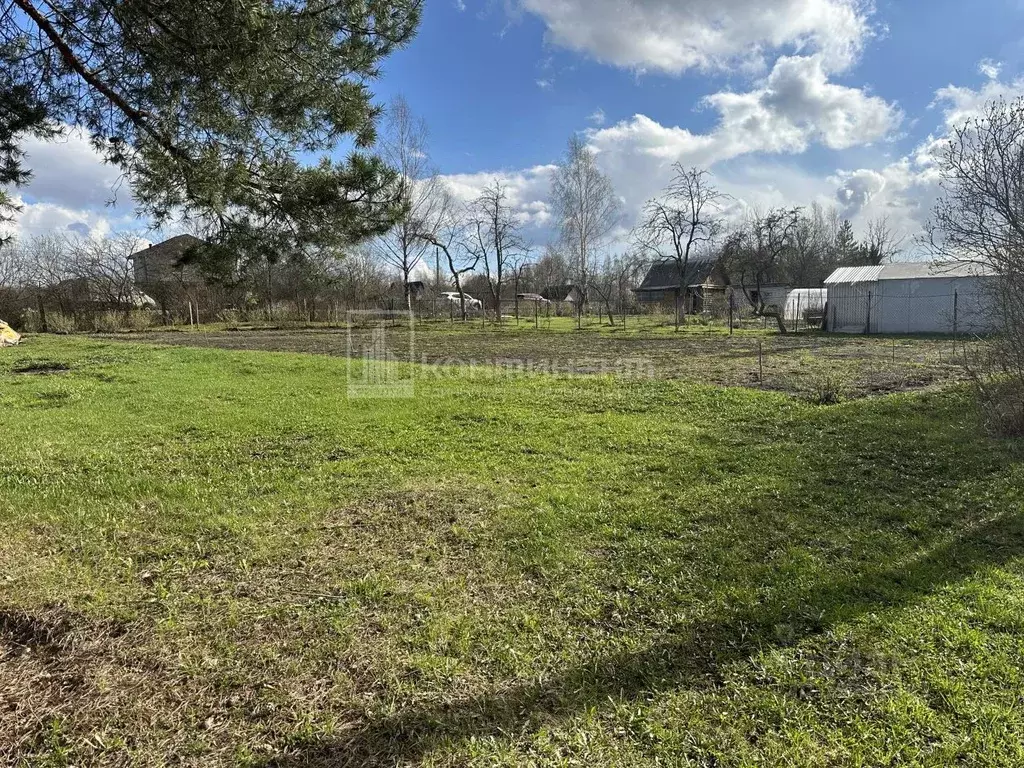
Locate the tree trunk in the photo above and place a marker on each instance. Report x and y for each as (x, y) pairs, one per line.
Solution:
(779, 318)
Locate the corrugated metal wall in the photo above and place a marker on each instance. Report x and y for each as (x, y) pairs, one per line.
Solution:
(930, 305)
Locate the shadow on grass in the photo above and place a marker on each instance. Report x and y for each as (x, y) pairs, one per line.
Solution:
(695, 656)
(683, 660)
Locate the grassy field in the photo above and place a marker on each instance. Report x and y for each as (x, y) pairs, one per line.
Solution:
(805, 364)
(216, 557)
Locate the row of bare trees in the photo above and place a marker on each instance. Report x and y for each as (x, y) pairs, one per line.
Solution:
(479, 243)
(691, 219)
(67, 270)
(484, 234)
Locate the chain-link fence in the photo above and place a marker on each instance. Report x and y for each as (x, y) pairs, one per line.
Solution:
(914, 307)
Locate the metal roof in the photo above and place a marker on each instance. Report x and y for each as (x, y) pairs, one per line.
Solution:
(854, 275)
(907, 270)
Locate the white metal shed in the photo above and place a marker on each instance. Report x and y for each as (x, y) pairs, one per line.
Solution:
(912, 297)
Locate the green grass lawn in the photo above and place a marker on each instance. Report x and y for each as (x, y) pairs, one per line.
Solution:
(216, 557)
(814, 366)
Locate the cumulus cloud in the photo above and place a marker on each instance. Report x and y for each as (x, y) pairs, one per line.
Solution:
(790, 109)
(69, 172)
(45, 218)
(793, 107)
(677, 35)
(960, 104)
(70, 191)
(857, 189)
(747, 150)
(797, 104)
(906, 189)
(527, 191)
(990, 69)
(597, 117)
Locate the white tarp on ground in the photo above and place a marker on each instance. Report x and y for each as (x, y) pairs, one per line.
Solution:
(912, 297)
(8, 336)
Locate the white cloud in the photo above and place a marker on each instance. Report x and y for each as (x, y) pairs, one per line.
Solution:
(857, 188)
(790, 109)
(747, 150)
(793, 107)
(797, 104)
(906, 189)
(960, 104)
(69, 172)
(545, 84)
(45, 218)
(597, 117)
(677, 35)
(527, 191)
(990, 69)
(70, 190)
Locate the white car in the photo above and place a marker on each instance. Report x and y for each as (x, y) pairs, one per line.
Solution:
(453, 297)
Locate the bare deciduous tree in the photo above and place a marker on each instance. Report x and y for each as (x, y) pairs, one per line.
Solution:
(979, 220)
(682, 221)
(450, 235)
(882, 243)
(587, 210)
(755, 255)
(105, 266)
(403, 146)
(614, 281)
(495, 239)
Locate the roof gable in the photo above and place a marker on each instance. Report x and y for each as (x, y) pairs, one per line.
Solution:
(664, 275)
(169, 251)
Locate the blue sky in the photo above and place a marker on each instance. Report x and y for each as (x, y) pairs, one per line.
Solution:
(473, 75)
(786, 101)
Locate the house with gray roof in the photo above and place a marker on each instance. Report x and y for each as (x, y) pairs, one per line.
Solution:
(701, 280)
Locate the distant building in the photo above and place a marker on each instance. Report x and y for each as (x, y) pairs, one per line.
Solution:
(700, 281)
(162, 267)
(567, 292)
(912, 297)
(414, 289)
(176, 283)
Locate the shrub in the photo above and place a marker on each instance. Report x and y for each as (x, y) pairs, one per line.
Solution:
(828, 387)
(141, 319)
(230, 316)
(1002, 407)
(58, 322)
(108, 322)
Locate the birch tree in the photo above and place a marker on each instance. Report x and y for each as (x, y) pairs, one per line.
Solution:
(587, 210)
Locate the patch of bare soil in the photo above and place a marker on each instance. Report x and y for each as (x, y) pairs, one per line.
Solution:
(794, 364)
(40, 368)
